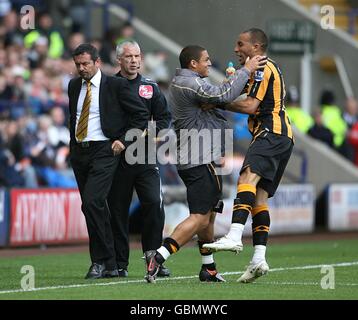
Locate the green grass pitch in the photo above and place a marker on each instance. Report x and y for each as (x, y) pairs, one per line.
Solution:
(296, 273)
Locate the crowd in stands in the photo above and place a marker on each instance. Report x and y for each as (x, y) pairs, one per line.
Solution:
(35, 69)
(335, 126)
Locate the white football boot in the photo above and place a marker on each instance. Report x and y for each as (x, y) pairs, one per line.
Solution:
(254, 271)
(225, 244)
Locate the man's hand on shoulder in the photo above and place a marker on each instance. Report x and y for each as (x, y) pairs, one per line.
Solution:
(256, 62)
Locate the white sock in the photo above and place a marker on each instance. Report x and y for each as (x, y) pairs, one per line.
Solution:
(207, 259)
(235, 232)
(164, 252)
(259, 254)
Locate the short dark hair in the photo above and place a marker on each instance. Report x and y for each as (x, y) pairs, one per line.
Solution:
(191, 52)
(258, 36)
(86, 48)
(327, 97)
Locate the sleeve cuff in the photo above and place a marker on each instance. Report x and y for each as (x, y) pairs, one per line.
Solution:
(245, 70)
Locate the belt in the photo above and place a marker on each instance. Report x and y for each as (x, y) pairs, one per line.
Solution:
(88, 144)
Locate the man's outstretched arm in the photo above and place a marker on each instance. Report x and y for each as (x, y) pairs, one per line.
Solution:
(248, 105)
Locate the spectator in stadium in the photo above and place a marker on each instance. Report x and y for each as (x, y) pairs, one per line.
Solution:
(59, 138)
(98, 107)
(188, 91)
(353, 140)
(106, 51)
(350, 113)
(266, 158)
(298, 117)
(156, 66)
(6, 91)
(56, 94)
(9, 176)
(144, 177)
(3, 58)
(44, 155)
(73, 41)
(126, 32)
(38, 52)
(14, 142)
(45, 29)
(350, 116)
(36, 92)
(58, 133)
(333, 120)
(10, 30)
(319, 131)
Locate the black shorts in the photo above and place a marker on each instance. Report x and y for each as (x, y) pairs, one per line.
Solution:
(268, 156)
(203, 187)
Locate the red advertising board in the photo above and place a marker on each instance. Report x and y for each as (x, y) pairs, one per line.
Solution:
(46, 216)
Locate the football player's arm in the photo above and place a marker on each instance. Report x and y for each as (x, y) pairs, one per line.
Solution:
(248, 106)
(254, 97)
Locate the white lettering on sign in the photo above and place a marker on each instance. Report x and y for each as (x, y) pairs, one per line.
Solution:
(39, 217)
(77, 228)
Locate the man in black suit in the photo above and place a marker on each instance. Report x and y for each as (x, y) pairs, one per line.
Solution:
(98, 123)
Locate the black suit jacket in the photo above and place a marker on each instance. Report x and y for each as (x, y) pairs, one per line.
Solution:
(116, 105)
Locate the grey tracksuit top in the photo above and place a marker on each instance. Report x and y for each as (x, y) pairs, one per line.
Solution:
(186, 93)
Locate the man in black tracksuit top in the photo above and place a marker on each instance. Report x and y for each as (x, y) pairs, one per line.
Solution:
(145, 177)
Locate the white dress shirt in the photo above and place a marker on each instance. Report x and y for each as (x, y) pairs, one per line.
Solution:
(94, 132)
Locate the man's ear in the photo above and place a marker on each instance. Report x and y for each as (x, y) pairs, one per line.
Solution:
(98, 62)
(257, 47)
(193, 64)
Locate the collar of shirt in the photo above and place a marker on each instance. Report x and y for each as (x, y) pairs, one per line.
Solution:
(138, 78)
(186, 73)
(95, 80)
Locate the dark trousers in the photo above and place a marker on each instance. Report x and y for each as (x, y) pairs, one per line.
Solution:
(94, 167)
(146, 181)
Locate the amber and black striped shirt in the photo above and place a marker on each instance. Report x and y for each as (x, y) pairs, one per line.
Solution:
(270, 116)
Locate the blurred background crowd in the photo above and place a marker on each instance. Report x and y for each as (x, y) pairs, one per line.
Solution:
(36, 66)
(35, 69)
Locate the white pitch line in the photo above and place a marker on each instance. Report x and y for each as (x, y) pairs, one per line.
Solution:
(289, 283)
(313, 266)
(343, 264)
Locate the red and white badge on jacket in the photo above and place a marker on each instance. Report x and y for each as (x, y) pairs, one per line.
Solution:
(146, 92)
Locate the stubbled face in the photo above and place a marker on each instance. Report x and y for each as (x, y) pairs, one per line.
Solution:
(203, 65)
(244, 48)
(86, 67)
(130, 61)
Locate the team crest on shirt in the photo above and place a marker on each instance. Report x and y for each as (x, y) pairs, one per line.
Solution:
(259, 75)
(146, 91)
